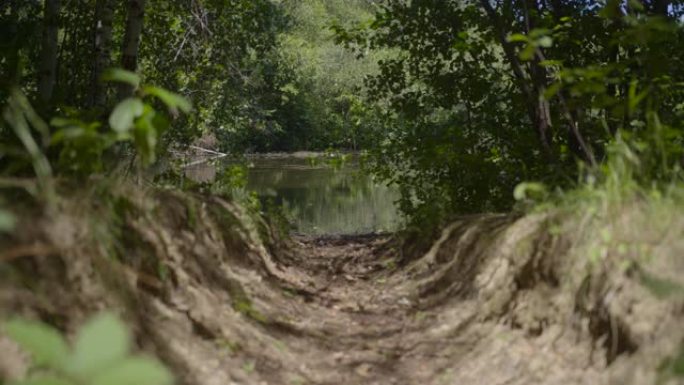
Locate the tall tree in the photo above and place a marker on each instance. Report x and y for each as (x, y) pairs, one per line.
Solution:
(104, 19)
(131, 43)
(48, 56)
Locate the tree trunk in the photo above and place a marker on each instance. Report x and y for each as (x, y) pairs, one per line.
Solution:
(104, 19)
(131, 43)
(48, 56)
(11, 67)
(537, 107)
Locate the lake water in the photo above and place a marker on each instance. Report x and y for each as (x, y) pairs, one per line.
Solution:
(318, 198)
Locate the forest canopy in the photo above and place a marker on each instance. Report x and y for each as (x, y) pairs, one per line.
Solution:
(454, 102)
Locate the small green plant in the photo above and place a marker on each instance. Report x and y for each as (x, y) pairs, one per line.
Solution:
(100, 355)
(25, 123)
(249, 367)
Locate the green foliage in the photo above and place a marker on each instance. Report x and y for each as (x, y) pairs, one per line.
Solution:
(457, 102)
(172, 101)
(24, 121)
(219, 54)
(477, 97)
(264, 75)
(530, 191)
(77, 145)
(222, 56)
(125, 113)
(44, 343)
(317, 104)
(100, 355)
(89, 356)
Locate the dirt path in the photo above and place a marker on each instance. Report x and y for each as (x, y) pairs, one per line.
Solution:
(361, 319)
(496, 300)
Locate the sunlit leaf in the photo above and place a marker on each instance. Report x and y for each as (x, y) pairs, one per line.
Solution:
(101, 343)
(550, 63)
(518, 38)
(545, 42)
(125, 113)
(529, 190)
(44, 343)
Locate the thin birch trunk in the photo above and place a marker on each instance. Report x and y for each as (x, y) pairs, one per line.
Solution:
(131, 43)
(104, 19)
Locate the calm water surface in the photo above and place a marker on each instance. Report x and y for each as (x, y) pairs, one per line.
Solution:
(319, 199)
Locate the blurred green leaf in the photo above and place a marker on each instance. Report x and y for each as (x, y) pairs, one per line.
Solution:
(125, 113)
(44, 343)
(551, 63)
(518, 38)
(101, 343)
(145, 136)
(529, 190)
(7, 221)
(528, 52)
(63, 122)
(134, 371)
(66, 134)
(545, 42)
(44, 380)
(121, 76)
(172, 100)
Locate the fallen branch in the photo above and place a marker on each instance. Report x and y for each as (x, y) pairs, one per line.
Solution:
(208, 151)
(202, 161)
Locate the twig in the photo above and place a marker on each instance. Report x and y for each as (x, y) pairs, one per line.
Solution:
(208, 151)
(28, 251)
(202, 161)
